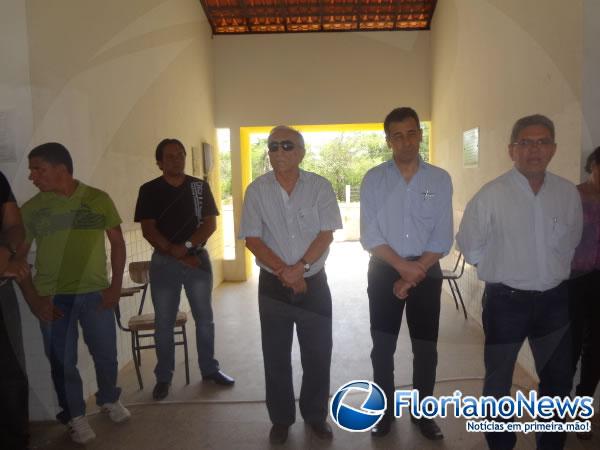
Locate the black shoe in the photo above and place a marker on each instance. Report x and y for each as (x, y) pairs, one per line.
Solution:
(428, 428)
(322, 430)
(381, 429)
(219, 378)
(278, 434)
(161, 390)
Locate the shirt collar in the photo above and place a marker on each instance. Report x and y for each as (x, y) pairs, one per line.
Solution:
(422, 166)
(301, 178)
(520, 179)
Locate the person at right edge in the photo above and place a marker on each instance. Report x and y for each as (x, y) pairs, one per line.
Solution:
(584, 286)
(406, 226)
(521, 230)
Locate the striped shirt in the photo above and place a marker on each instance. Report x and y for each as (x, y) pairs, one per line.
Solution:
(289, 224)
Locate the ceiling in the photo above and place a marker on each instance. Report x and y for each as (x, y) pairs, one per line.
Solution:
(297, 16)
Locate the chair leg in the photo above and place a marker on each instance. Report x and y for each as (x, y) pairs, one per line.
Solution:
(136, 362)
(137, 346)
(453, 294)
(185, 355)
(461, 299)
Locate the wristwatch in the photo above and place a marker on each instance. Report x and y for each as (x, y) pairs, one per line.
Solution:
(306, 264)
(188, 245)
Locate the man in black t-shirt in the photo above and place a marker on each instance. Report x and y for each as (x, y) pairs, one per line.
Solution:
(14, 390)
(178, 215)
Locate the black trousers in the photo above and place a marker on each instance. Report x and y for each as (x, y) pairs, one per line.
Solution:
(279, 310)
(422, 317)
(14, 390)
(584, 310)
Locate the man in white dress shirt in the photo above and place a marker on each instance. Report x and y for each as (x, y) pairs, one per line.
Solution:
(288, 221)
(521, 230)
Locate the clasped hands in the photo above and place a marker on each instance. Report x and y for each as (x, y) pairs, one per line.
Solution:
(180, 252)
(293, 278)
(412, 273)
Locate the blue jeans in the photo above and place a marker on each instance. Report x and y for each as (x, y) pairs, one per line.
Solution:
(167, 276)
(509, 317)
(60, 344)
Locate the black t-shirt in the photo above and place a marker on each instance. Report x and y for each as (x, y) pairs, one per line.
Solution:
(6, 194)
(178, 211)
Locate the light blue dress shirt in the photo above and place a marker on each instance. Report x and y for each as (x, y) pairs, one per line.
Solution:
(411, 218)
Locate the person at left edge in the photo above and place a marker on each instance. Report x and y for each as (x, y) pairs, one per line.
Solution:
(68, 220)
(14, 390)
(178, 215)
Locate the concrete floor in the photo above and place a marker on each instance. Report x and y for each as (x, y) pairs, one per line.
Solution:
(204, 416)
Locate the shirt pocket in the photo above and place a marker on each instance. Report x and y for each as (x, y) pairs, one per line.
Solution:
(426, 211)
(557, 234)
(308, 220)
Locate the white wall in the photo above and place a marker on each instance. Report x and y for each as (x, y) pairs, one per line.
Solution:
(109, 80)
(320, 78)
(590, 90)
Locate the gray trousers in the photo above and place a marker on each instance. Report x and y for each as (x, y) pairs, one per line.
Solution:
(279, 310)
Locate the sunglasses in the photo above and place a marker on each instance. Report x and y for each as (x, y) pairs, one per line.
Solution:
(285, 145)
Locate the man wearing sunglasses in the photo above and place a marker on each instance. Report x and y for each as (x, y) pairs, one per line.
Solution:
(406, 225)
(288, 221)
(521, 230)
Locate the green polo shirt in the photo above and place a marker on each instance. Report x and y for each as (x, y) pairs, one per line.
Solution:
(69, 236)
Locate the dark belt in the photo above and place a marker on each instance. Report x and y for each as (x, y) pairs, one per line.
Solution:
(521, 291)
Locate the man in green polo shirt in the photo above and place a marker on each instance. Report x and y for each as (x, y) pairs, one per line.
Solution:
(68, 220)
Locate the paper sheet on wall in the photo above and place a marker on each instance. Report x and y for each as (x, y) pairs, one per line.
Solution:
(471, 148)
(7, 137)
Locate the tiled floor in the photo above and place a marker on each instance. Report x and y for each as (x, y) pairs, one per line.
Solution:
(203, 416)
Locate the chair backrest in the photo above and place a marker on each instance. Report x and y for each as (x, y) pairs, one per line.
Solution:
(139, 272)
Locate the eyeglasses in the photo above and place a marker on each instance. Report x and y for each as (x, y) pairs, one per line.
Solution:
(530, 143)
(287, 146)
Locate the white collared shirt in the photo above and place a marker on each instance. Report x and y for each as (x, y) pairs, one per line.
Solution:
(523, 240)
(289, 224)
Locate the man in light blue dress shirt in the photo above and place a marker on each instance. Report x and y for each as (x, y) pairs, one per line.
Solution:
(288, 220)
(406, 225)
(521, 230)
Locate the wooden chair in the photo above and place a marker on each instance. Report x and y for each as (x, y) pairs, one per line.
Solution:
(141, 326)
(452, 276)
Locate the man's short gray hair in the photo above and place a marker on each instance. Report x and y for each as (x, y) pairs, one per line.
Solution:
(290, 129)
(528, 121)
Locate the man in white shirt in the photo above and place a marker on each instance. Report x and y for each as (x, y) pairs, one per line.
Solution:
(521, 230)
(288, 221)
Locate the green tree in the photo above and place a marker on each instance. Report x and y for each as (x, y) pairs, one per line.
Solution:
(225, 163)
